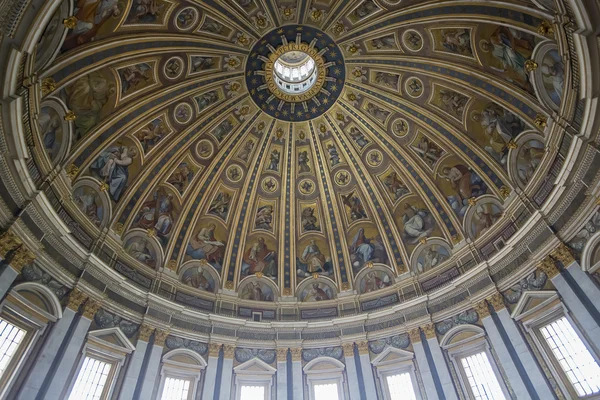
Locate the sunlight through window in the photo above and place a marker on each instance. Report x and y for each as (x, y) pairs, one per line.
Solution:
(91, 380)
(252, 393)
(400, 387)
(10, 339)
(176, 389)
(326, 392)
(572, 355)
(481, 377)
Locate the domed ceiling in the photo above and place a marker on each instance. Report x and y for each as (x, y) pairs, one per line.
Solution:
(420, 126)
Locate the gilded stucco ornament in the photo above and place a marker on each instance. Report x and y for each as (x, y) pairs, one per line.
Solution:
(530, 65)
(70, 116)
(363, 347)
(48, 86)
(14, 251)
(540, 121)
(545, 28)
(72, 170)
(228, 351)
(70, 22)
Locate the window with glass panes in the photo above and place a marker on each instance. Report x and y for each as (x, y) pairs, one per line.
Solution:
(481, 377)
(326, 391)
(91, 380)
(400, 387)
(176, 389)
(252, 393)
(574, 358)
(11, 338)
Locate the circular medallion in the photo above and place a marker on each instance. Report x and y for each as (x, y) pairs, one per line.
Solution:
(186, 19)
(234, 173)
(342, 178)
(173, 68)
(269, 185)
(414, 87)
(204, 149)
(183, 113)
(400, 127)
(295, 73)
(412, 40)
(374, 158)
(306, 186)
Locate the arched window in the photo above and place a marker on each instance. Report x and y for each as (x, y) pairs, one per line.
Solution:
(25, 313)
(325, 379)
(397, 375)
(563, 348)
(180, 374)
(472, 358)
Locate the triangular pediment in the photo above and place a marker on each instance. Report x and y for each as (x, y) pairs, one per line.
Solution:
(255, 366)
(392, 355)
(532, 301)
(113, 337)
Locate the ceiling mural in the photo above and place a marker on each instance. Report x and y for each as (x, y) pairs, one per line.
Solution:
(281, 148)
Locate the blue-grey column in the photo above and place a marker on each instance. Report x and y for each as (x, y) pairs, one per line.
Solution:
(585, 283)
(298, 384)
(208, 391)
(367, 369)
(586, 321)
(227, 372)
(440, 363)
(153, 364)
(64, 369)
(8, 274)
(132, 375)
(530, 364)
(508, 365)
(282, 374)
(32, 384)
(423, 366)
(351, 371)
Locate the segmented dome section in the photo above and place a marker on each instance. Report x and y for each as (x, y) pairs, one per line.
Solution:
(303, 149)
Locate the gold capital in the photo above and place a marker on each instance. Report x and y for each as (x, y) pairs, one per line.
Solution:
(429, 331)
(21, 257)
(228, 350)
(563, 254)
(296, 354)
(76, 299)
(363, 347)
(415, 335)
(282, 355)
(145, 332)
(9, 241)
(496, 301)
(160, 336)
(348, 349)
(90, 308)
(482, 309)
(548, 266)
(213, 349)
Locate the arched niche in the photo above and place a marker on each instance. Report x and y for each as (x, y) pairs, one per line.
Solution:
(461, 334)
(430, 255)
(36, 300)
(54, 132)
(92, 202)
(525, 159)
(257, 289)
(482, 216)
(143, 248)
(368, 280)
(320, 289)
(590, 257)
(549, 77)
(200, 275)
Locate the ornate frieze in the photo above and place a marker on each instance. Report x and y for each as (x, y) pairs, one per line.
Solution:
(267, 355)
(174, 342)
(401, 341)
(465, 317)
(534, 281)
(105, 319)
(311, 354)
